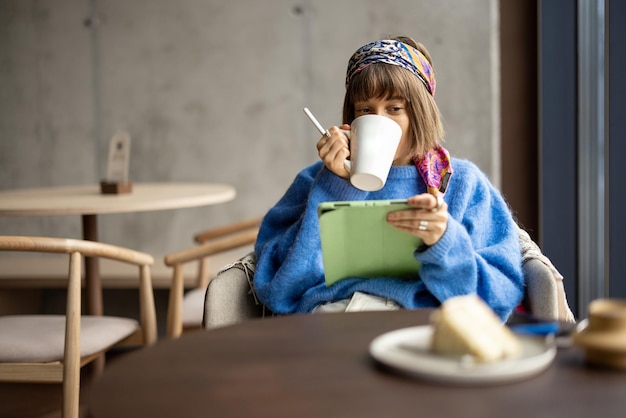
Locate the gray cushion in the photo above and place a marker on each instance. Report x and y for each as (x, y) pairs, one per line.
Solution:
(542, 290)
(40, 338)
(229, 297)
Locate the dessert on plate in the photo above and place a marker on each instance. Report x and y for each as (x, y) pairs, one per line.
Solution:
(466, 325)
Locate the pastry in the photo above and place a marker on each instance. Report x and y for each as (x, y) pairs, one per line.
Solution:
(466, 325)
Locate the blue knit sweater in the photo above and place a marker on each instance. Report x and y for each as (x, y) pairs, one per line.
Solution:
(478, 253)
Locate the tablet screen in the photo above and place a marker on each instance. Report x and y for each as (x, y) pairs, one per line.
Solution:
(357, 241)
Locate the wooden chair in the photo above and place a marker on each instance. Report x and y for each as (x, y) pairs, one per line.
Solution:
(185, 310)
(53, 348)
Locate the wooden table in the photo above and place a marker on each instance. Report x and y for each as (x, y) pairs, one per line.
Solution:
(318, 365)
(87, 201)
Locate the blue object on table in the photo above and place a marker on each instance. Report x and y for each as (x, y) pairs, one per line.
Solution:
(538, 328)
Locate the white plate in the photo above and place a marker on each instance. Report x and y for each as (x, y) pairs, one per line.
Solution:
(407, 350)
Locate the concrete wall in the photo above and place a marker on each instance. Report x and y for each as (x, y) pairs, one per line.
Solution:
(212, 91)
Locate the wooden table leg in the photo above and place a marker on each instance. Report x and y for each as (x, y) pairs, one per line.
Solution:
(93, 284)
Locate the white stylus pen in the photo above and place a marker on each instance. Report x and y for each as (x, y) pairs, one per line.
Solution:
(316, 123)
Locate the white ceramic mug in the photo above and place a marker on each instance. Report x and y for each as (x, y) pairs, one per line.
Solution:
(374, 140)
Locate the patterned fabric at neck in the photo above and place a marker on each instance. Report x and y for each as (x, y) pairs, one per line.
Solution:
(435, 168)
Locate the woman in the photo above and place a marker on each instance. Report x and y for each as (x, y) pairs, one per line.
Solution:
(470, 239)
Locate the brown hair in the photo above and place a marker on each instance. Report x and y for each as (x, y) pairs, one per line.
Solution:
(387, 81)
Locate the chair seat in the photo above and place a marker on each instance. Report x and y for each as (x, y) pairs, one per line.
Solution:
(193, 307)
(40, 338)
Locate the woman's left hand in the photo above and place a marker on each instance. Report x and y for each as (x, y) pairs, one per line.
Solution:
(428, 220)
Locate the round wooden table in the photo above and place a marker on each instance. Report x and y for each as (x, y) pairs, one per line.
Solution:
(318, 365)
(87, 201)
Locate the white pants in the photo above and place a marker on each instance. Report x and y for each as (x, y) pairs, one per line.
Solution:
(358, 302)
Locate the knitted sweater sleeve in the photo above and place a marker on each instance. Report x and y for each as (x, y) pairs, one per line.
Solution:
(479, 251)
(288, 249)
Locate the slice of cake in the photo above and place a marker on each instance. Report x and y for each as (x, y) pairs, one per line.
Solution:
(465, 325)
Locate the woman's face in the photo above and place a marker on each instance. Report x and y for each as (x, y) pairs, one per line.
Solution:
(393, 108)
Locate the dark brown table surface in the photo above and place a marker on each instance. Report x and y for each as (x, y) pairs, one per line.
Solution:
(319, 366)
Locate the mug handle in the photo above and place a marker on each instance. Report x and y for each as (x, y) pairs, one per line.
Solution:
(346, 163)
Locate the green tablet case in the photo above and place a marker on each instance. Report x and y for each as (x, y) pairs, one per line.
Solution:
(357, 241)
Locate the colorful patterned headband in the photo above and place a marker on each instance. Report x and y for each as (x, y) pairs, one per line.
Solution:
(394, 53)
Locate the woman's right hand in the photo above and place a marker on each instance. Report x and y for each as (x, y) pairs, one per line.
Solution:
(334, 150)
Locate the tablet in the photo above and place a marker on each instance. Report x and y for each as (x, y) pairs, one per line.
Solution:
(357, 241)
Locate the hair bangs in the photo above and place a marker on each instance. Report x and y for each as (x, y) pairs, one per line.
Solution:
(379, 80)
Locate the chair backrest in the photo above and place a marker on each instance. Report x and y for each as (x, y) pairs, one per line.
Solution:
(212, 242)
(67, 368)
